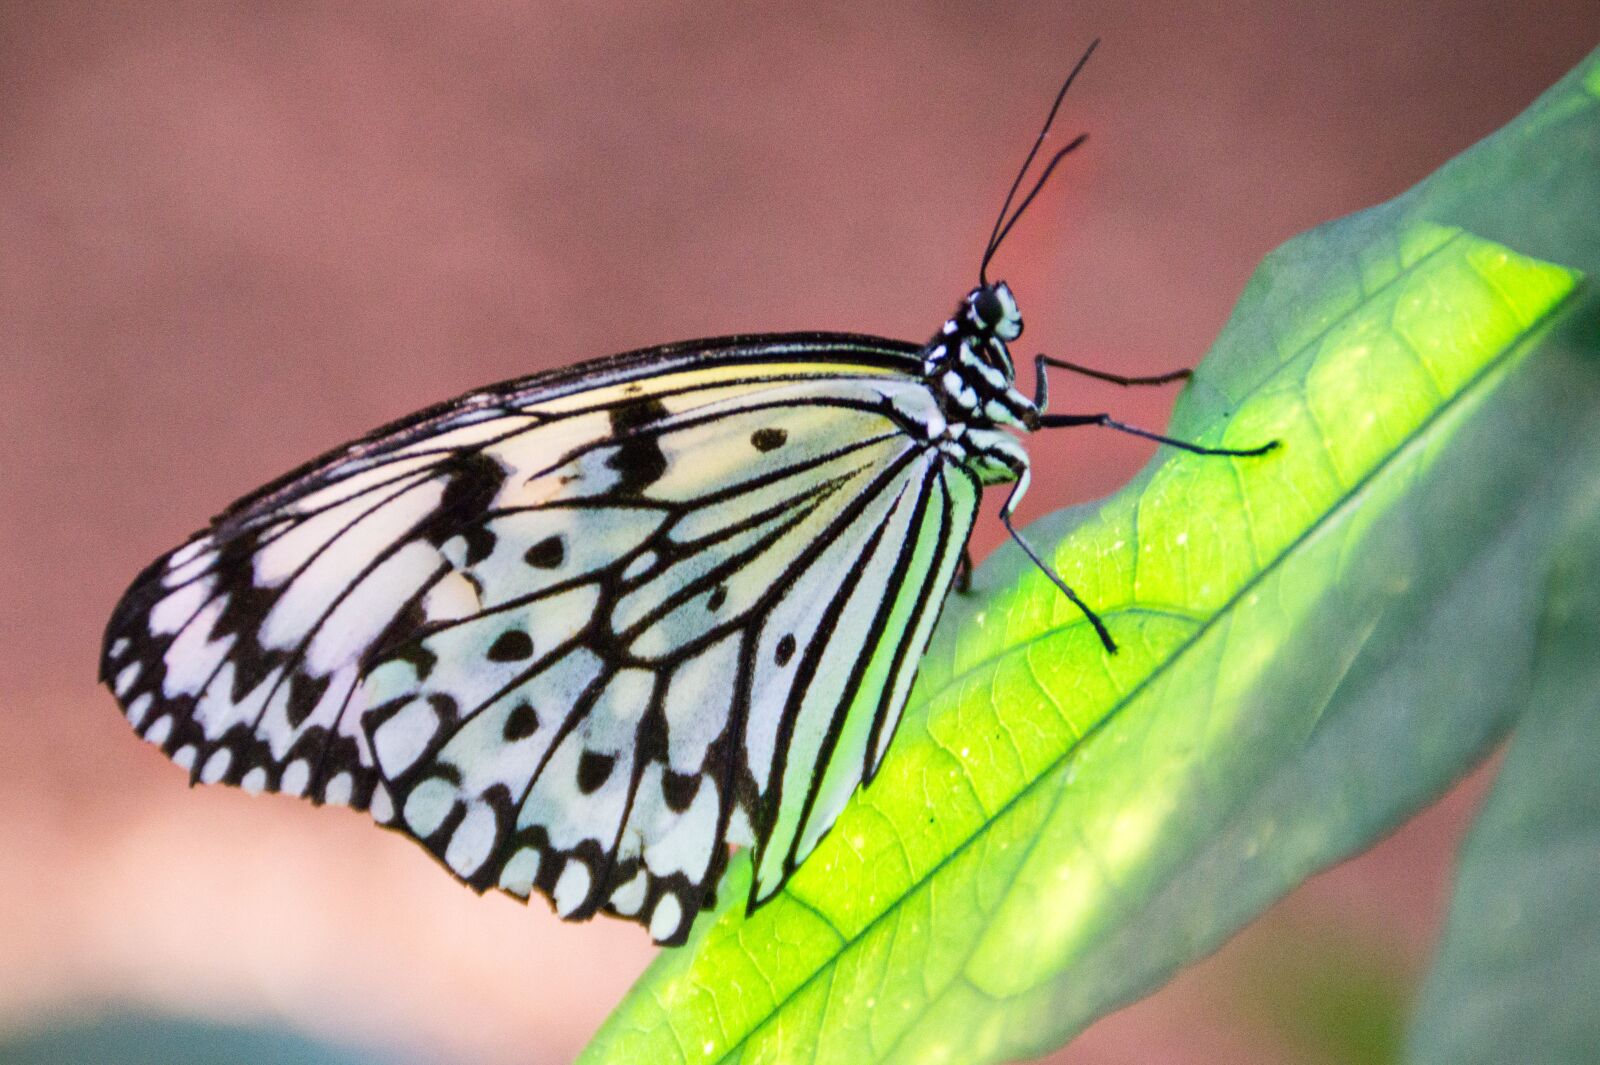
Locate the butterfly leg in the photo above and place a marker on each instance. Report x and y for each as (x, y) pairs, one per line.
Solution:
(1041, 387)
(1015, 458)
(1093, 618)
(1062, 421)
(964, 573)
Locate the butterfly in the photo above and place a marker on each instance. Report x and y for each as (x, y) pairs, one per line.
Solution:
(580, 632)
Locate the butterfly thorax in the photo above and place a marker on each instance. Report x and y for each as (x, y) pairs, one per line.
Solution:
(969, 369)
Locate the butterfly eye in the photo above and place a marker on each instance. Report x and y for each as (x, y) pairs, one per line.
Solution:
(988, 308)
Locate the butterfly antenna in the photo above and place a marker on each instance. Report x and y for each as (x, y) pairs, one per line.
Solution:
(1001, 227)
(1038, 185)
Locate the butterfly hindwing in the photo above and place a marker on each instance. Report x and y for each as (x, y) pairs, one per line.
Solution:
(879, 621)
(577, 633)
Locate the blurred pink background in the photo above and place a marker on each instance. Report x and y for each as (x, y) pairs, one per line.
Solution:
(233, 235)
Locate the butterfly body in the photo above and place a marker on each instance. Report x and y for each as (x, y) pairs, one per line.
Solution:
(969, 366)
(577, 633)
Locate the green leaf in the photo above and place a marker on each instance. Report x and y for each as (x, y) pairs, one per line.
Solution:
(1314, 645)
(1517, 972)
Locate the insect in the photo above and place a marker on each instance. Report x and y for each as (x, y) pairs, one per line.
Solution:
(579, 632)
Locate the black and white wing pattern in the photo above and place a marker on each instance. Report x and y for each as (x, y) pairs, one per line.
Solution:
(575, 633)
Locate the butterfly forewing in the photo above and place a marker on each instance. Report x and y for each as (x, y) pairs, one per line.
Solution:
(576, 633)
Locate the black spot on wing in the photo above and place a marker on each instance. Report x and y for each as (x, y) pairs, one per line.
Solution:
(521, 723)
(513, 645)
(474, 480)
(769, 439)
(640, 463)
(630, 416)
(679, 789)
(594, 769)
(785, 649)
(480, 543)
(547, 553)
(638, 458)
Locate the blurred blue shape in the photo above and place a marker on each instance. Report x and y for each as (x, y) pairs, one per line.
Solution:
(142, 1039)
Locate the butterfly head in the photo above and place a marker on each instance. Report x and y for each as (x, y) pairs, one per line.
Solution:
(969, 364)
(974, 338)
(992, 310)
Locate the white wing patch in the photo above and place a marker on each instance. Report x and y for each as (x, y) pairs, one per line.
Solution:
(574, 638)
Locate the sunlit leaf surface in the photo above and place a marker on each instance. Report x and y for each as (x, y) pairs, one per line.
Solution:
(1315, 644)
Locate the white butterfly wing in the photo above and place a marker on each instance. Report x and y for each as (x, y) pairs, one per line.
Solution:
(576, 633)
